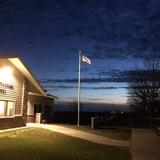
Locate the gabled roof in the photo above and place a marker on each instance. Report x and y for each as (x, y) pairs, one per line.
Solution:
(19, 64)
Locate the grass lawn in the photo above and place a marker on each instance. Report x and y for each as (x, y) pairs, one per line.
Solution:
(41, 144)
(115, 133)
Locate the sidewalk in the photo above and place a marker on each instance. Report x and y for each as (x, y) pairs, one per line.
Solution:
(145, 145)
(82, 135)
(11, 129)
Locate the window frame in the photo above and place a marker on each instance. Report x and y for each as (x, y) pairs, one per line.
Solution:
(14, 104)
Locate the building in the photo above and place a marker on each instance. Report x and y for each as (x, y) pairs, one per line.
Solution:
(21, 95)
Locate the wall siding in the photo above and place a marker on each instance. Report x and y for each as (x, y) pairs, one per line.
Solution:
(6, 123)
(20, 83)
(23, 101)
(15, 94)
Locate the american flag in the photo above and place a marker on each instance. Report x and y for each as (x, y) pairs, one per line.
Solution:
(85, 59)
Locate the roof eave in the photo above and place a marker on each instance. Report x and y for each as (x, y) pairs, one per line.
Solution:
(20, 65)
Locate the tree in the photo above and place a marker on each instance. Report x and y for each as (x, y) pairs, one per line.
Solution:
(144, 88)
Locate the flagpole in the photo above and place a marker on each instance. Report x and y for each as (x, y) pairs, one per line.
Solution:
(79, 85)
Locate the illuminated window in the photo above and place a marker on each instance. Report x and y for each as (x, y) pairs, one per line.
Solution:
(10, 108)
(6, 108)
(2, 108)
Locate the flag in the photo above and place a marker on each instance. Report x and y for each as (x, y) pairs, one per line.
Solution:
(85, 59)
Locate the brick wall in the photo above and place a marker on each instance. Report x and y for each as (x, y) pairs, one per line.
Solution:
(31, 119)
(11, 122)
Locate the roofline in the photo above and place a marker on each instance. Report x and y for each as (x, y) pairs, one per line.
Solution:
(32, 75)
(12, 59)
(36, 94)
(39, 87)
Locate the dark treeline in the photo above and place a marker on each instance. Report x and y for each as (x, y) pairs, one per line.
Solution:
(121, 119)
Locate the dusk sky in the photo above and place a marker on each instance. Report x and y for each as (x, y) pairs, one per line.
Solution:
(115, 34)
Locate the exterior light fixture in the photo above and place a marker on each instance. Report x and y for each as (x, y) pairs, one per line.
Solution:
(6, 75)
(6, 70)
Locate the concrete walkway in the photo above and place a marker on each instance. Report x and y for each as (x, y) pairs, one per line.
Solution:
(11, 129)
(82, 135)
(145, 145)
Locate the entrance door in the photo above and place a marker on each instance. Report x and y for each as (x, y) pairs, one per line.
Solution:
(37, 108)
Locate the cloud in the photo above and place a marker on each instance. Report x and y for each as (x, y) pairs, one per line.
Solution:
(85, 80)
(117, 76)
(96, 99)
(82, 87)
(108, 76)
(116, 29)
(132, 31)
(58, 87)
